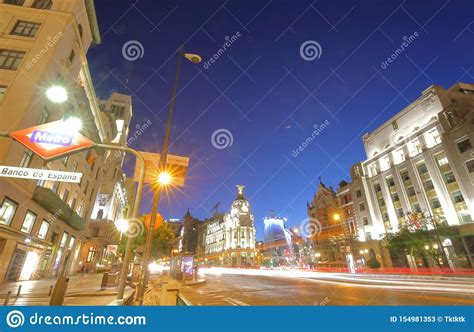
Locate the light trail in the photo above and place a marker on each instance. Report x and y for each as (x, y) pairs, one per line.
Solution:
(347, 280)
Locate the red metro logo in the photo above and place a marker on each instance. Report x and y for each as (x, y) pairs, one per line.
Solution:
(51, 140)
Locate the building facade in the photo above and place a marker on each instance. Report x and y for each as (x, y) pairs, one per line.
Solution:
(421, 163)
(229, 239)
(42, 224)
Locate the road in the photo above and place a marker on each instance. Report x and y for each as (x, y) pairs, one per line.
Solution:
(242, 288)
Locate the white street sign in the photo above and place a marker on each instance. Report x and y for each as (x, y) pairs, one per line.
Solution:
(39, 174)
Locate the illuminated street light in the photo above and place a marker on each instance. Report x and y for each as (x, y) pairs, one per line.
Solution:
(164, 178)
(122, 225)
(73, 125)
(57, 94)
(336, 217)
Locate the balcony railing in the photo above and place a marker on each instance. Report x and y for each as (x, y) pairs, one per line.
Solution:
(52, 203)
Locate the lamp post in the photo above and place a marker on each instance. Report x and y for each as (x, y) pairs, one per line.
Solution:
(162, 177)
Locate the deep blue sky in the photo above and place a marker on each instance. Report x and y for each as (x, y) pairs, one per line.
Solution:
(263, 76)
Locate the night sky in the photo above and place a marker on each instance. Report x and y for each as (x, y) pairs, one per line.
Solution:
(266, 95)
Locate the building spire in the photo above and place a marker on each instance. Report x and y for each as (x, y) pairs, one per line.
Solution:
(240, 191)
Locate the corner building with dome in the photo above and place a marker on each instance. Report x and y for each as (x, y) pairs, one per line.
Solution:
(229, 239)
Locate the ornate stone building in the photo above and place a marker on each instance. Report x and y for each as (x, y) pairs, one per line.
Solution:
(229, 239)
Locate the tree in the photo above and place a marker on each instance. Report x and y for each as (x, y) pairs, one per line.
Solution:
(415, 235)
(162, 242)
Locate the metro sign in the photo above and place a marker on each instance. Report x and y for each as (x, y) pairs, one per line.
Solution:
(51, 140)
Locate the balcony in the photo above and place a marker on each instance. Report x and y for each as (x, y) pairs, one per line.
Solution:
(52, 203)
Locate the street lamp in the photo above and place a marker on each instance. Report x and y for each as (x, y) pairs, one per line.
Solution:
(72, 125)
(164, 178)
(194, 58)
(57, 94)
(336, 216)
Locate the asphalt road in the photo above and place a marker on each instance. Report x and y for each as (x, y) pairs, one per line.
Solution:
(326, 289)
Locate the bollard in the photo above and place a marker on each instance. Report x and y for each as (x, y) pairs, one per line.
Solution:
(50, 290)
(59, 291)
(7, 298)
(103, 284)
(18, 291)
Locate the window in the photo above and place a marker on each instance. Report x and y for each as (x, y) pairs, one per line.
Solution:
(28, 222)
(411, 191)
(457, 197)
(414, 147)
(26, 159)
(395, 197)
(15, 2)
(65, 159)
(44, 116)
(62, 244)
(3, 91)
(400, 213)
(381, 202)
(362, 207)
(10, 60)
(366, 221)
(470, 165)
(79, 210)
(7, 211)
(74, 166)
(358, 193)
(441, 159)
(449, 177)
(433, 138)
(71, 56)
(422, 169)
(464, 145)
(73, 202)
(404, 175)
(390, 182)
(435, 204)
(377, 188)
(385, 217)
(416, 208)
(72, 241)
(43, 231)
(26, 29)
(65, 195)
(55, 187)
(79, 27)
(428, 184)
(42, 4)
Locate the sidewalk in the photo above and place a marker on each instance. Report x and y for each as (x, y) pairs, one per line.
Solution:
(82, 290)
